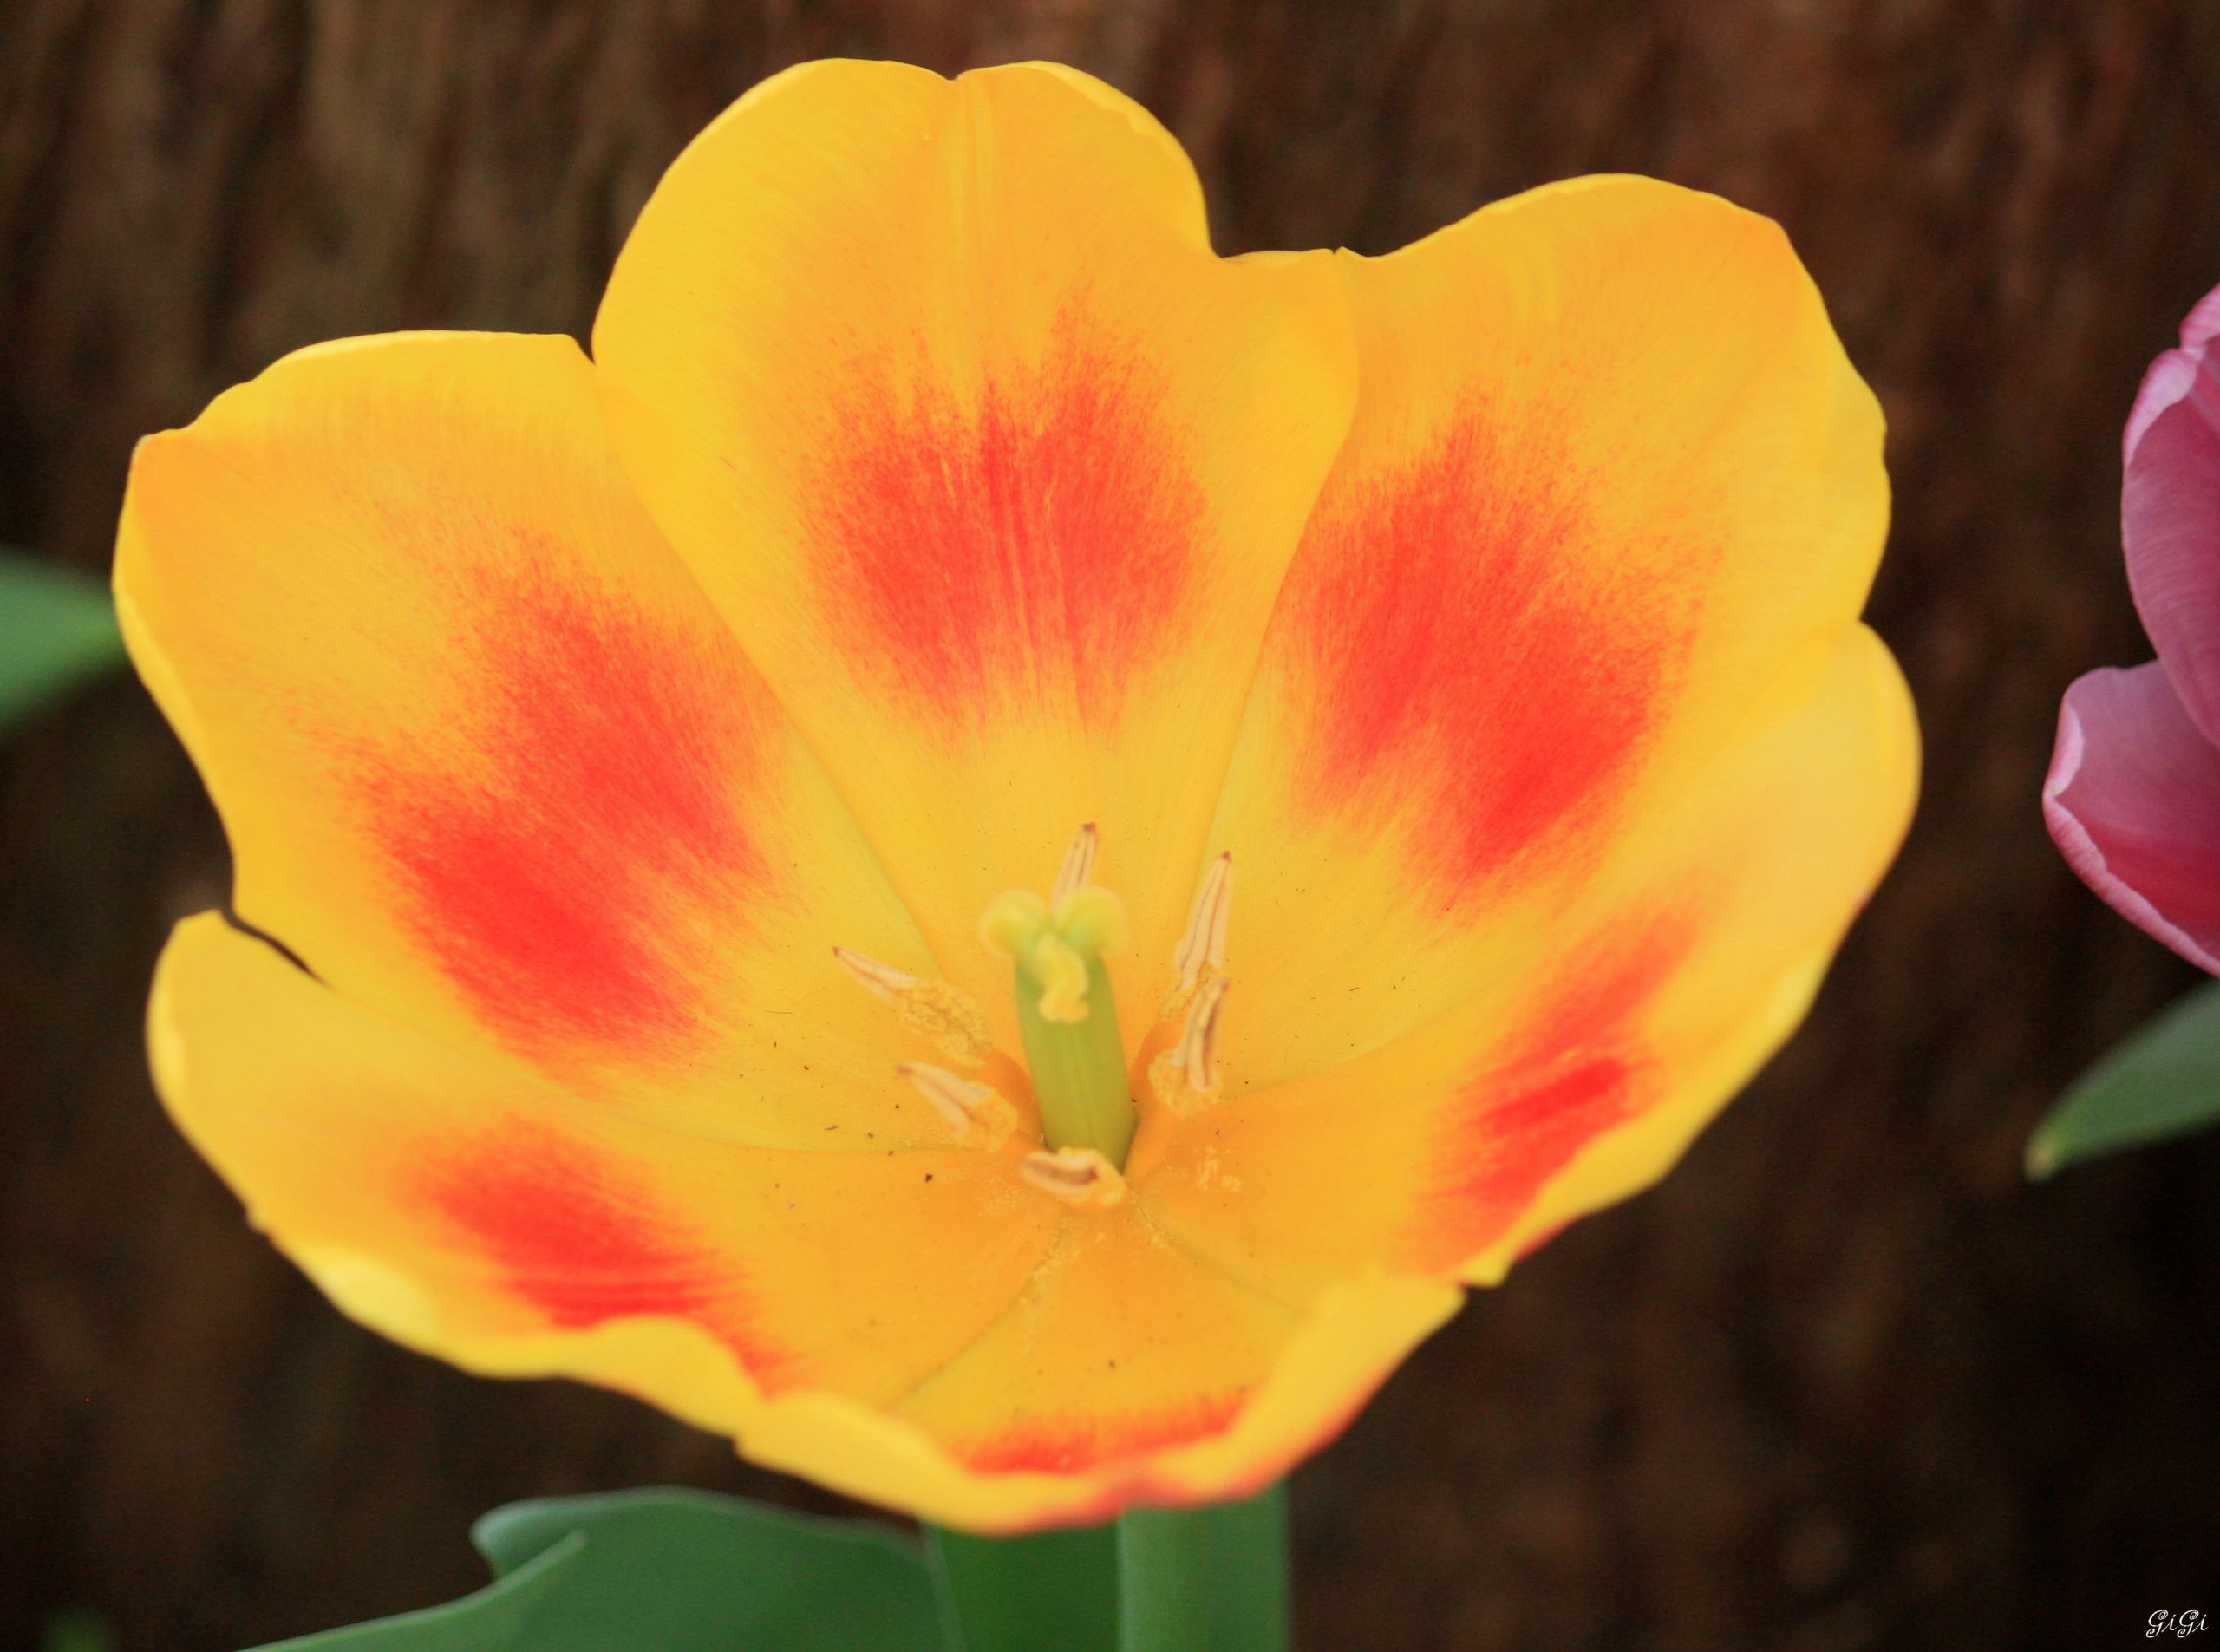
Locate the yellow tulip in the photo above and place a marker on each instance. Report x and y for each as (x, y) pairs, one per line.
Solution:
(995, 853)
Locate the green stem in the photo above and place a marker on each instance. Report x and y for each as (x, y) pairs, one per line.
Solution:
(1206, 1580)
(1053, 1590)
(1161, 1580)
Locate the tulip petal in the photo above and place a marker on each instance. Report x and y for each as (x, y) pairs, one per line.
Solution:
(1612, 474)
(468, 1207)
(2132, 801)
(1577, 1077)
(993, 466)
(1354, 1336)
(1568, 763)
(488, 760)
(2170, 522)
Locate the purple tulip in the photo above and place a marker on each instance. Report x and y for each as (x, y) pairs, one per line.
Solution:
(2133, 795)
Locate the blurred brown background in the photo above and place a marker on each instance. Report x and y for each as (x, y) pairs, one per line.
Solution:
(1845, 1381)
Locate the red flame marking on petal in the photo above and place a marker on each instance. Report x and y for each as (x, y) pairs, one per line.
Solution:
(605, 754)
(1073, 1446)
(1038, 543)
(1578, 1073)
(1472, 652)
(581, 1244)
(1146, 1484)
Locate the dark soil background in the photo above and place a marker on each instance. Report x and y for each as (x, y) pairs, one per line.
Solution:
(1845, 1381)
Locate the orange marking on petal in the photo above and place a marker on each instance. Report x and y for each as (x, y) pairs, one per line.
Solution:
(1144, 1486)
(1520, 1141)
(607, 753)
(1049, 528)
(1578, 1073)
(579, 1243)
(1469, 653)
(1071, 1446)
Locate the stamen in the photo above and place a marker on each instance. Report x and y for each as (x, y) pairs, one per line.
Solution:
(975, 1113)
(1204, 944)
(1184, 1077)
(1079, 1176)
(1078, 869)
(882, 981)
(947, 1015)
(1198, 1039)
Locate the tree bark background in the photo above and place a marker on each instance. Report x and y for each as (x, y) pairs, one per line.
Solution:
(1845, 1381)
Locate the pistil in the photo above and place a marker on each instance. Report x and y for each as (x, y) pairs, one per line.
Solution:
(1067, 1015)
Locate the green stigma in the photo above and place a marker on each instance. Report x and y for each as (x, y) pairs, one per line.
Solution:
(1066, 1012)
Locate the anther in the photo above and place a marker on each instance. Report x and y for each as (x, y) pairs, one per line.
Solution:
(1203, 946)
(1079, 1176)
(1078, 869)
(1199, 1039)
(1184, 1077)
(978, 1115)
(947, 1015)
(882, 981)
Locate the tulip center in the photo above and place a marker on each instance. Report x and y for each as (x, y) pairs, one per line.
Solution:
(1066, 1013)
(1068, 1020)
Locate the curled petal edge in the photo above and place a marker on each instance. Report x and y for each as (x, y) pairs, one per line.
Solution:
(2081, 851)
(2171, 376)
(1356, 1335)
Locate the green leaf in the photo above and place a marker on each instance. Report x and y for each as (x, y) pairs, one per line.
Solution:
(663, 1571)
(1206, 1580)
(1052, 1589)
(2161, 1081)
(56, 629)
(681, 1569)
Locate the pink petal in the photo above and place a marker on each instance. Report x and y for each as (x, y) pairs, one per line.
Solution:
(2170, 521)
(2170, 512)
(2202, 322)
(2166, 381)
(2172, 375)
(2133, 803)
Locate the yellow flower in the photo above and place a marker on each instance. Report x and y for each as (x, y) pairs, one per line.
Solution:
(1438, 675)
